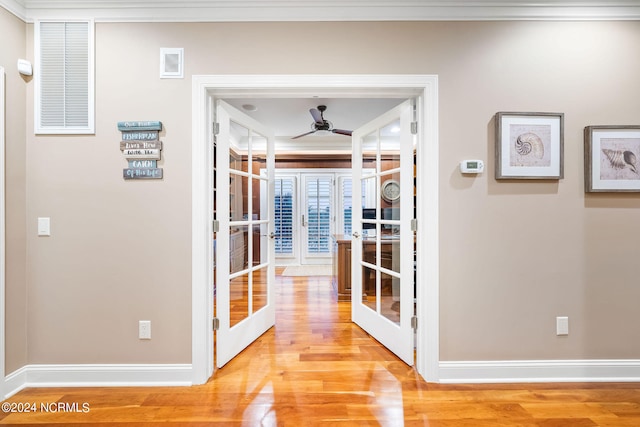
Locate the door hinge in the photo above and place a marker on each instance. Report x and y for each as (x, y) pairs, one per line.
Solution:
(414, 322)
(216, 324)
(216, 128)
(414, 224)
(216, 225)
(414, 128)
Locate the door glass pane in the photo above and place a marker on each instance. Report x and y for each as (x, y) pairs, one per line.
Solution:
(260, 190)
(390, 203)
(259, 250)
(390, 297)
(283, 215)
(239, 299)
(238, 197)
(259, 287)
(369, 150)
(318, 215)
(390, 252)
(390, 146)
(347, 205)
(369, 288)
(238, 249)
(238, 147)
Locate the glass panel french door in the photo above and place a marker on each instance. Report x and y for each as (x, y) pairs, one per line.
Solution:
(382, 283)
(317, 219)
(245, 270)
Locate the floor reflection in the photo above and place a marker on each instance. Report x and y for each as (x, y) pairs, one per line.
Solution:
(315, 365)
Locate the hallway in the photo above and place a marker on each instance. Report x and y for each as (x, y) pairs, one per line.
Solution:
(316, 368)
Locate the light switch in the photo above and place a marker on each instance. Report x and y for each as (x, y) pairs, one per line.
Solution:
(44, 226)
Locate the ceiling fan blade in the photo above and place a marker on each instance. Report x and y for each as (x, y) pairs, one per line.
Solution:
(304, 134)
(342, 132)
(317, 116)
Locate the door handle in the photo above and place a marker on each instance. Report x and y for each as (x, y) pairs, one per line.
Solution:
(356, 234)
(272, 235)
(304, 223)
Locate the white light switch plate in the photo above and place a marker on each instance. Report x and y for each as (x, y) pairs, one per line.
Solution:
(44, 226)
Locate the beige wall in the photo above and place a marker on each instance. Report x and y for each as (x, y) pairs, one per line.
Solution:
(12, 47)
(514, 255)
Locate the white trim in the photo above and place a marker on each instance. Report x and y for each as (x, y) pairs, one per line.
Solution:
(428, 234)
(98, 375)
(201, 230)
(425, 87)
(17, 8)
(521, 371)
(329, 10)
(3, 239)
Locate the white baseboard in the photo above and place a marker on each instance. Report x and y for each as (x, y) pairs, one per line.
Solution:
(97, 376)
(517, 371)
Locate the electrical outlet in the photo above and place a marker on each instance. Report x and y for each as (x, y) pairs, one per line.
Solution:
(144, 329)
(562, 326)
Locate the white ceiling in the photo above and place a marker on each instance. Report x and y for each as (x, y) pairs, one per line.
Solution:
(289, 117)
(322, 10)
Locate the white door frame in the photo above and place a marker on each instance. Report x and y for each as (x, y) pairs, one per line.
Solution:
(3, 239)
(423, 87)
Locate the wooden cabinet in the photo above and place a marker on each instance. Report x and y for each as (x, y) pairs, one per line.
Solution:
(341, 265)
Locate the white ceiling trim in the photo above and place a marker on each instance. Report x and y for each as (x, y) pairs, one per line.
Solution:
(328, 10)
(16, 8)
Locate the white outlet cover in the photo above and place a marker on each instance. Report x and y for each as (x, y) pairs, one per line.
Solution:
(144, 330)
(562, 326)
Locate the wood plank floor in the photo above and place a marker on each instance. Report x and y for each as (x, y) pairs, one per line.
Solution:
(317, 368)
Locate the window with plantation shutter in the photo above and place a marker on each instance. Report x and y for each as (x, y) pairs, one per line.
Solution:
(64, 77)
(283, 215)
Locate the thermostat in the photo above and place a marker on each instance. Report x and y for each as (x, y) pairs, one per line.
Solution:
(471, 166)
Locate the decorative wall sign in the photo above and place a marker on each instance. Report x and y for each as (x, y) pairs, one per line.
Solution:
(141, 154)
(142, 149)
(140, 136)
(140, 145)
(139, 125)
(142, 173)
(137, 164)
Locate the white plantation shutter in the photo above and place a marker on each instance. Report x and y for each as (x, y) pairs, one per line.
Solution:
(283, 216)
(347, 205)
(64, 79)
(319, 215)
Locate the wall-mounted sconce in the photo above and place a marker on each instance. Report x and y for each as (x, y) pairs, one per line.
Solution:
(24, 67)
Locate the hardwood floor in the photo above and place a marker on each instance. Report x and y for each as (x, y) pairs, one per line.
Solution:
(317, 368)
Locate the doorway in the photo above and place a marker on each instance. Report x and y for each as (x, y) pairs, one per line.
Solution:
(423, 88)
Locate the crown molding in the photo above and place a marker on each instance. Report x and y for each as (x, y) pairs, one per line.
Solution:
(329, 10)
(15, 7)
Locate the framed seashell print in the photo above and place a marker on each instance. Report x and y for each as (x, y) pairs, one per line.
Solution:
(529, 145)
(612, 159)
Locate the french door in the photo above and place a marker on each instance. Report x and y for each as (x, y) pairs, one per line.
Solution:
(382, 245)
(244, 241)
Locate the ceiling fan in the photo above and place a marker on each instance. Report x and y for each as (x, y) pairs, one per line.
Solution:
(320, 124)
